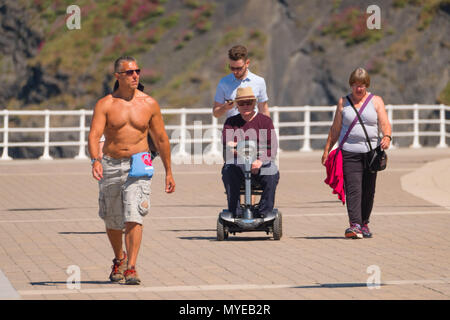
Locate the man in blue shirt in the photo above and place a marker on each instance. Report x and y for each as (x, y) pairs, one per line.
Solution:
(239, 78)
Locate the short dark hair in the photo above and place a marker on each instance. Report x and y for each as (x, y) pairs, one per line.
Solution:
(238, 52)
(118, 62)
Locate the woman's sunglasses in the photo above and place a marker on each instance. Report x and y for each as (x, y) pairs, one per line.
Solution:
(130, 72)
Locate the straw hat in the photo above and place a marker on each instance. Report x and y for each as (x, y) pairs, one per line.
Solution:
(245, 94)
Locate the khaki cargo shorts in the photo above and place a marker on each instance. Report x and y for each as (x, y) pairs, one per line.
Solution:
(121, 198)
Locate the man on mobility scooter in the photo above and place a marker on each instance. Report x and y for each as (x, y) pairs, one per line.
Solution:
(250, 146)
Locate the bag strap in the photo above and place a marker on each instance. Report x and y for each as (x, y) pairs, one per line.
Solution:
(358, 115)
(354, 120)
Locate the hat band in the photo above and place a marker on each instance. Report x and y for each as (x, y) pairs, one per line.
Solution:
(246, 98)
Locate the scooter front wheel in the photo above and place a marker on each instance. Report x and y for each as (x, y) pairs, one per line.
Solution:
(222, 234)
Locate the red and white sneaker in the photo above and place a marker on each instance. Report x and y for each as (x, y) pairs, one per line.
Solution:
(354, 232)
(366, 231)
(118, 269)
(131, 276)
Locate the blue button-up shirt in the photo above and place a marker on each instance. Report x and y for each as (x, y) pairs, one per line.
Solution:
(227, 87)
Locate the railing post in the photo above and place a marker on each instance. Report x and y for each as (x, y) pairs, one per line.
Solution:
(183, 132)
(276, 125)
(182, 156)
(214, 155)
(416, 143)
(442, 143)
(46, 155)
(215, 138)
(197, 153)
(307, 130)
(5, 155)
(390, 111)
(82, 149)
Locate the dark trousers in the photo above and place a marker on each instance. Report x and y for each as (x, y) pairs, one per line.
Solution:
(233, 178)
(359, 186)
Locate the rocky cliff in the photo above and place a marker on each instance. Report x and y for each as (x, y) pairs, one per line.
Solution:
(304, 49)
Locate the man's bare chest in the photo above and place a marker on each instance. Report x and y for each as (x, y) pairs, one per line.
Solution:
(136, 115)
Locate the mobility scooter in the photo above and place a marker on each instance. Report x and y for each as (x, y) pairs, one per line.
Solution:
(228, 223)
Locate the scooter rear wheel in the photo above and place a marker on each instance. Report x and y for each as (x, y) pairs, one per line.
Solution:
(277, 227)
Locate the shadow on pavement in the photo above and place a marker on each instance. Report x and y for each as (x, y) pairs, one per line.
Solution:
(82, 232)
(230, 239)
(190, 230)
(55, 283)
(320, 238)
(336, 285)
(35, 209)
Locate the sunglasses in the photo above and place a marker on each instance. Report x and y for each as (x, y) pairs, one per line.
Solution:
(130, 72)
(236, 68)
(245, 102)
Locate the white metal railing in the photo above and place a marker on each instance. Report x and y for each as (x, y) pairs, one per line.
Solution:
(181, 131)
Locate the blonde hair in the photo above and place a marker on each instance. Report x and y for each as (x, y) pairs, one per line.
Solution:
(359, 75)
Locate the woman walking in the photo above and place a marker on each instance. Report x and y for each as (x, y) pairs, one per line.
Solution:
(359, 182)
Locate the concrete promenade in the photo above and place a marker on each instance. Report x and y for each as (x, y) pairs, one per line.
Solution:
(49, 222)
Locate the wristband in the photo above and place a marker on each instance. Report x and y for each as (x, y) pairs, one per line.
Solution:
(95, 159)
(390, 138)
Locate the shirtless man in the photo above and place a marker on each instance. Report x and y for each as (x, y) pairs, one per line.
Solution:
(125, 117)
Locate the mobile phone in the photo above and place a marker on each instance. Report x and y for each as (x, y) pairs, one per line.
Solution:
(228, 100)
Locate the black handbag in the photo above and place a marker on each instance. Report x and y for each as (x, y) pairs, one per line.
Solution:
(376, 159)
